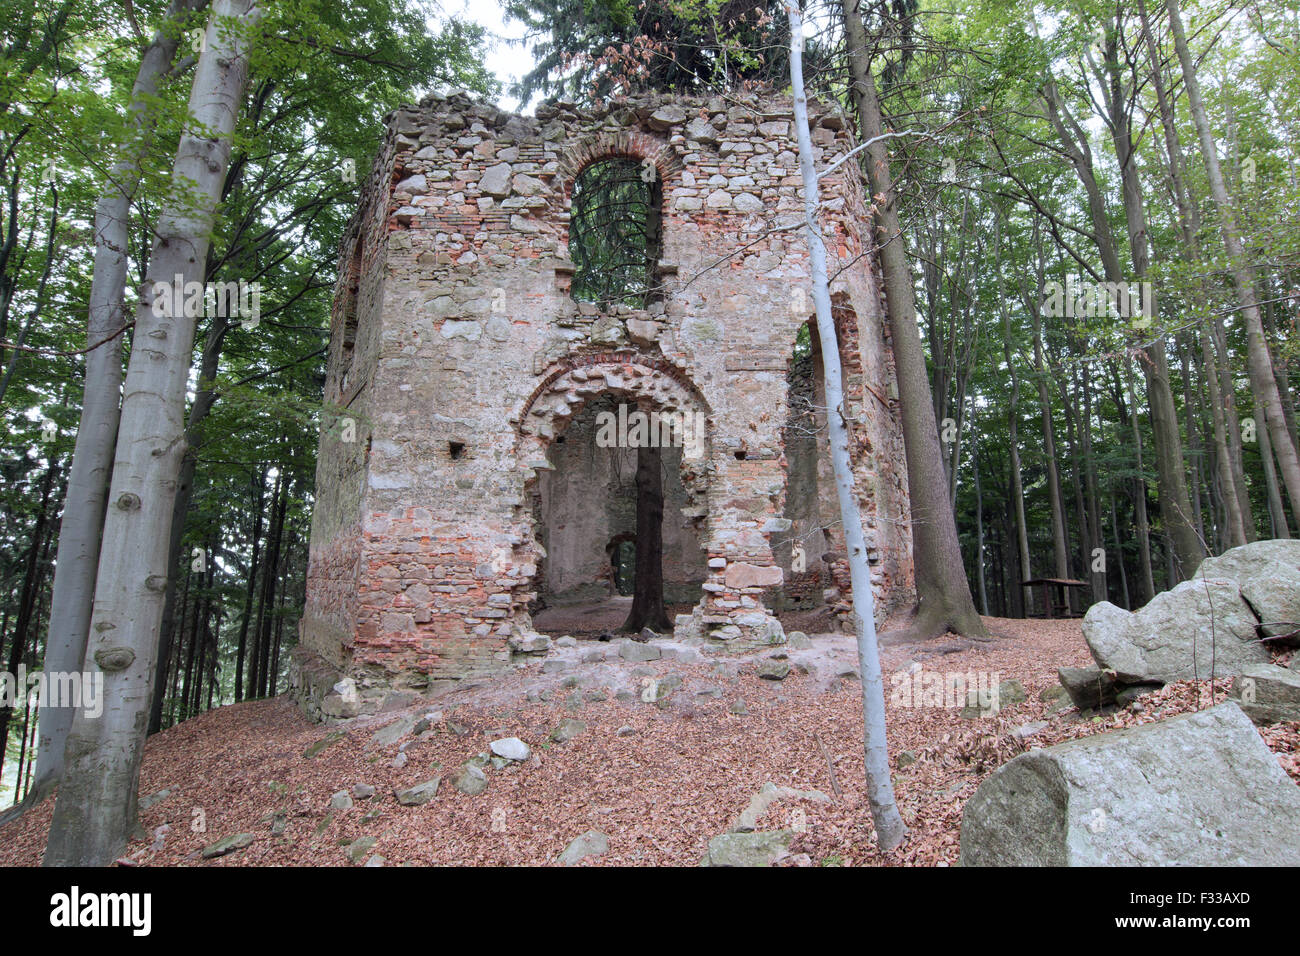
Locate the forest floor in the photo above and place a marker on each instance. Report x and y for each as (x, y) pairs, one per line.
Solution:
(659, 779)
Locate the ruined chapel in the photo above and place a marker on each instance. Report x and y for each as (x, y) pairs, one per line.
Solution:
(461, 488)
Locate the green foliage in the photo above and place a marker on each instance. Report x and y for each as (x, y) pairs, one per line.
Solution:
(595, 48)
(613, 231)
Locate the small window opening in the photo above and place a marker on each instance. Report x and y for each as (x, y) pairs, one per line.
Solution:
(614, 232)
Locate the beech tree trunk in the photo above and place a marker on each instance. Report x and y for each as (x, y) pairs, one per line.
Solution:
(648, 583)
(890, 829)
(77, 558)
(942, 589)
(97, 803)
(1263, 381)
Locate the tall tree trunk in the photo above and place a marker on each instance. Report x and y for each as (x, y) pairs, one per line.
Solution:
(97, 804)
(92, 461)
(979, 520)
(27, 600)
(648, 584)
(204, 398)
(1060, 550)
(1260, 365)
(890, 829)
(943, 592)
(1276, 512)
(1146, 579)
(1175, 502)
(1189, 221)
(250, 585)
(1119, 552)
(272, 579)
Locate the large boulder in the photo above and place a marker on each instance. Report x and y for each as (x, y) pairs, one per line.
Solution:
(1267, 574)
(1180, 634)
(1197, 790)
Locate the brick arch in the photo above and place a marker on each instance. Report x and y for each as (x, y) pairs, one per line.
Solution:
(576, 380)
(628, 144)
(562, 394)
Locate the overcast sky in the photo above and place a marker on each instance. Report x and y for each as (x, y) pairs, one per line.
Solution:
(508, 62)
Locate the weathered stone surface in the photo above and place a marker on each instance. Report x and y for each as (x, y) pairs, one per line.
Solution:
(748, 849)
(1088, 687)
(470, 780)
(341, 801)
(635, 653)
(591, 843)
(363, 791)
(390, 734)
(1179, 635)
(1196, 790)
(567, 730)
(419, 794)
(360, 847)
(496, 181)
(530, 644)
(511, 748)
(798, 640)
(741, 575)
(666, 116)
(768, 794)
(462, 356)
(1267, 574)
(335, 705)
(227, 845)
(1268, 694)
(770, 669)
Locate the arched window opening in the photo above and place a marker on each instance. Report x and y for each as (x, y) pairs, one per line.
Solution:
(614, 232)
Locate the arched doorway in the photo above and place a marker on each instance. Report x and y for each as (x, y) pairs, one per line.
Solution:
(599, 433)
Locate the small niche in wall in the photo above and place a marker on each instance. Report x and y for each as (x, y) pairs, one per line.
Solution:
(456, 449)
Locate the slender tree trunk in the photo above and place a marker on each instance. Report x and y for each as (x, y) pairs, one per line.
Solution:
(28, 595)
(648, 585)
(1276, 512)
(979, 522)
(1146, 580)
(943, 592)
(1263, 381)
(1175, 502)
(890, 829)
(249, 585)
(1119, 552)
(92, 461)
(1060, 552)
(272, 578)
(97, 804)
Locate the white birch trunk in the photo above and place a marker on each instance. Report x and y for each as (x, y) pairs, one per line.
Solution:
(96, 808)
(890, 829)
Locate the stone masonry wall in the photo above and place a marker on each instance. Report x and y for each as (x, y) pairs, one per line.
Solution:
(470, 357)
